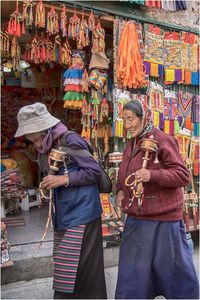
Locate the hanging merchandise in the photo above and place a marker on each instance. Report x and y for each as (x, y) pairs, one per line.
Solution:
(153, 53)
(196, 109)
(190, 48)
(99, 61)
(74, 27)
(85, 120)
(173, 64)
(130, 68)
(15, 53)
(63, 21)
(194, 155)
(65, 54)
(97, 79)
(98, 38)
(57, 49)
(5, 43)
(14, 27)
(184, 107)
(27, 14)
(83, 39)
(52, 22)
(40, 15)
(91, 21)
(156, 97)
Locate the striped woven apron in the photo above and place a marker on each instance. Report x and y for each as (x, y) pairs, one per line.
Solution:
(66, 255)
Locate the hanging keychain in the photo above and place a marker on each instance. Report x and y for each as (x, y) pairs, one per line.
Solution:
(52, 22)
(74, 26)
(63, 21)
(27, 14)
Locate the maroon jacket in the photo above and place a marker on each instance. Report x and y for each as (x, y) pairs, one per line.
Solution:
(163, 194)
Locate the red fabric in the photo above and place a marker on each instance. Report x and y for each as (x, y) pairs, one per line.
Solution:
(163, 195)
(73, 88)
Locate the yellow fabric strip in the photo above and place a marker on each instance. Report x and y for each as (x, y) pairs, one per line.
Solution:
(169, 75)
(166, 126)
(154, 70)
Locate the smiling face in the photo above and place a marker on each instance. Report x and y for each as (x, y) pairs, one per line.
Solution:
(132, 122)
(36, 138)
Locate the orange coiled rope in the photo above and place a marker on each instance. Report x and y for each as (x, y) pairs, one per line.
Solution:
(130, 68)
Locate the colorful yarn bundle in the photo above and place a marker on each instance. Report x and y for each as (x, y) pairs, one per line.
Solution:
(15, 53)
(91, 21)
(14, 27)
(52, 22)
(130, 68)
(153, 56)
(40, 15)
(74, 27)
(97, 79)
(98, 39)
(63, 21)
(65, 54)
(5, 43)
(83, 39)
(190, 48)
(27, 14)
(173, 64)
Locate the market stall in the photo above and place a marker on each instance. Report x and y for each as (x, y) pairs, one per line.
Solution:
(76, 63)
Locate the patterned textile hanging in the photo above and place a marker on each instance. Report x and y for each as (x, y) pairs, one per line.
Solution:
(74, 27)
(190, 48)
(85, 121)
(170, 105)
(98, 38)
(63, 21)
(104, 110)
(40, 15)
(196, 109)
(156, 97)
(130, 68)
(153, 54)
(27, 14)
(15, 53)
(83, 39)
(173, 58)
(14, 27)
(91, 21)
(52, 22)
(184, 107)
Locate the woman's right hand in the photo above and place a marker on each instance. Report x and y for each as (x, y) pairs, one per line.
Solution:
(119, 198)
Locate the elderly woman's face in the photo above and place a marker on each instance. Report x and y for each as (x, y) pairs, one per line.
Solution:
(132, 122)
(36, 138)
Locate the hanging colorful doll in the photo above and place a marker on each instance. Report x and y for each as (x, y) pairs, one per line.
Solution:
(40, 15)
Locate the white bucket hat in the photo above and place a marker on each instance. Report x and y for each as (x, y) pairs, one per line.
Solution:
(34, 118)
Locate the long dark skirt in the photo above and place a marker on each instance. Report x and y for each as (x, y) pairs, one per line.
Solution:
(155, 260)
(90, 277)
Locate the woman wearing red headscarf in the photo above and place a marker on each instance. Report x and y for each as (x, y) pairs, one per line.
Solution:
(154, 256)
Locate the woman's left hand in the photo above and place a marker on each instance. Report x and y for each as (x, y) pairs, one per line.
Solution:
(53, 181)
(142, 175)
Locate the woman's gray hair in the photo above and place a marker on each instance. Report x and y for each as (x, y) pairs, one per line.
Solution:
(134, 106)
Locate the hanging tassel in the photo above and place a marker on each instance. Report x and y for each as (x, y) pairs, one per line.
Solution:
(91, 21)
(176, 127)
(171, 127)
(40, 15)
(63, 21)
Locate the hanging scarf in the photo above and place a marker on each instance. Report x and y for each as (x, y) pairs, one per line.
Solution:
(52, 135)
